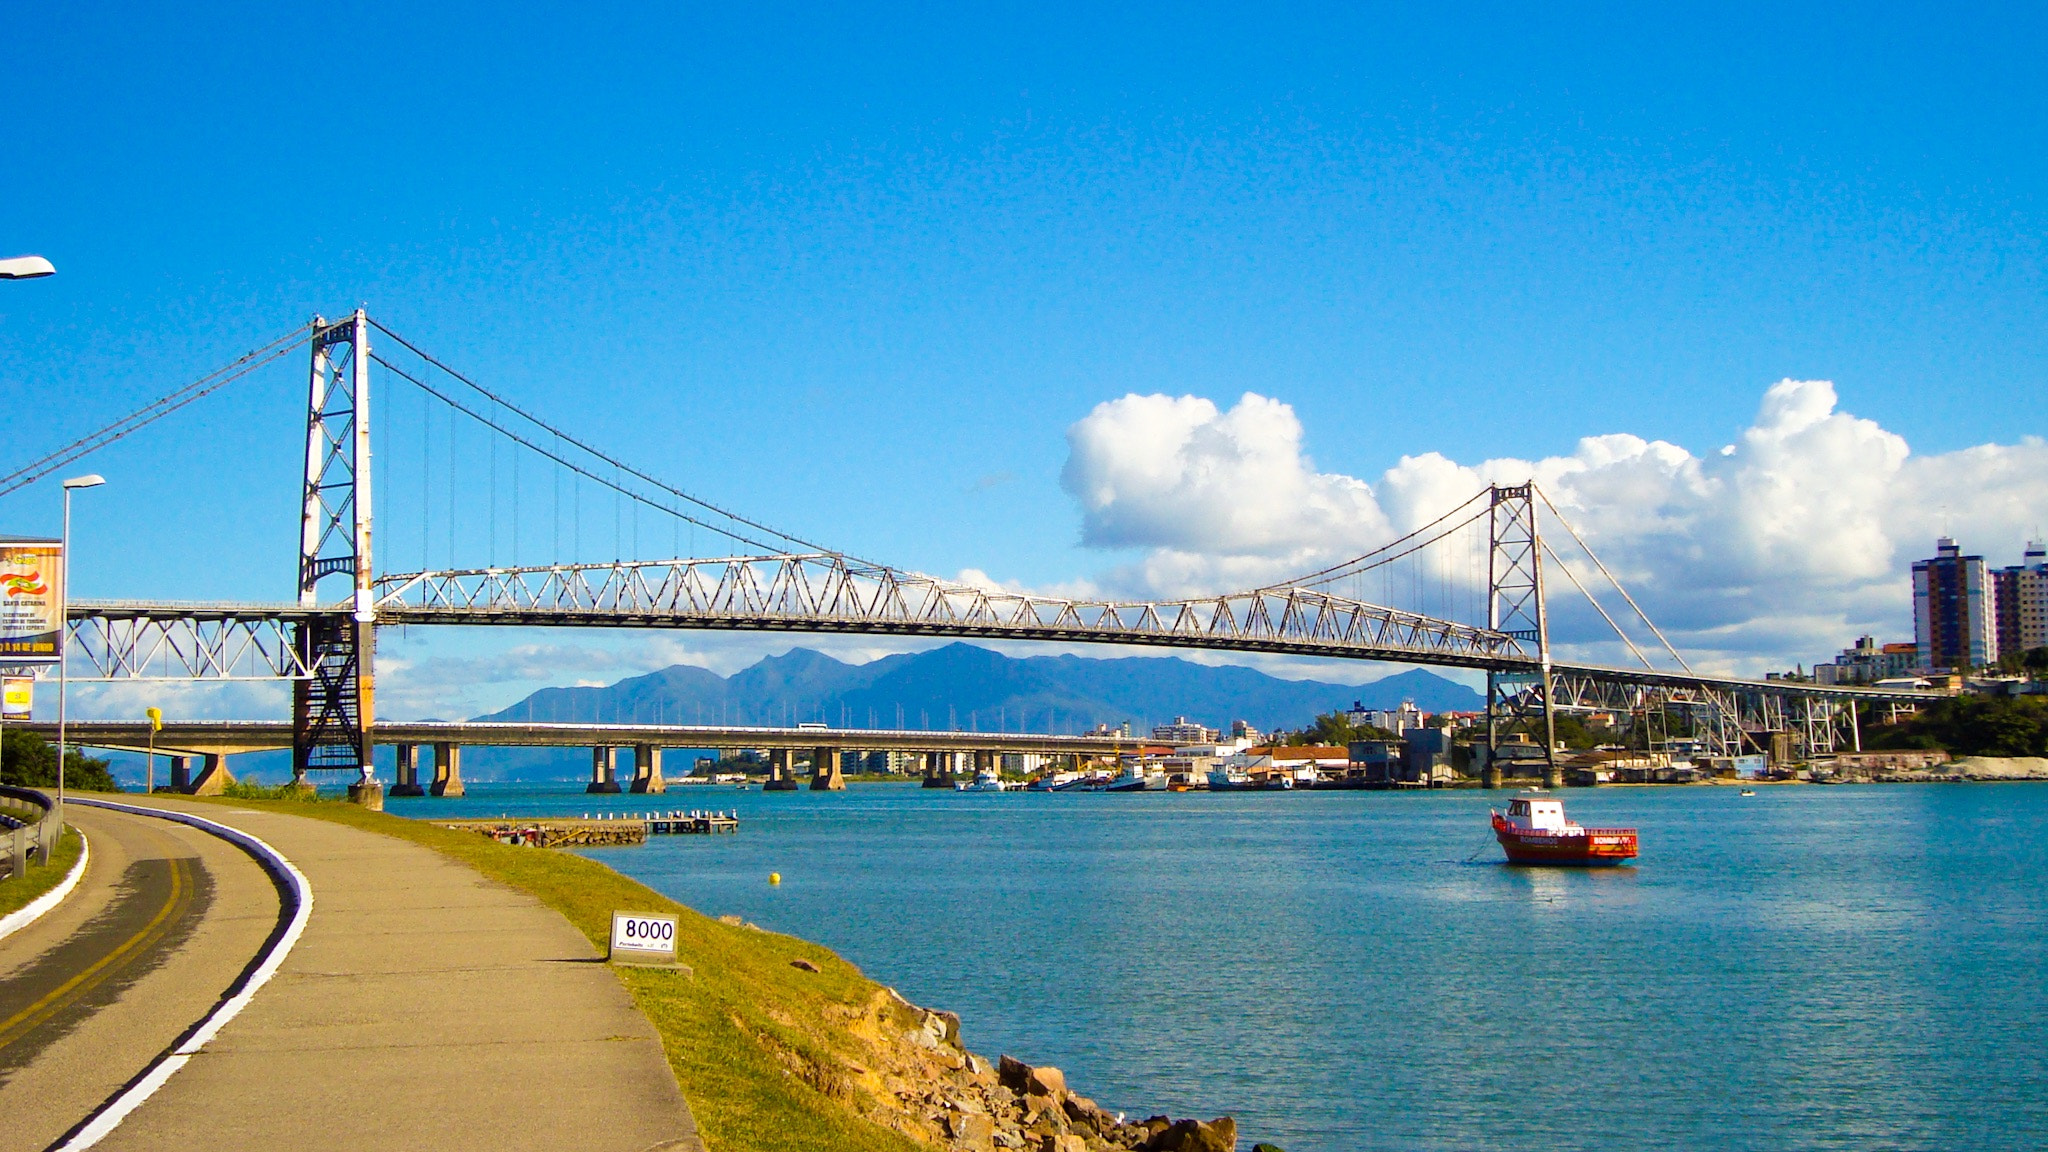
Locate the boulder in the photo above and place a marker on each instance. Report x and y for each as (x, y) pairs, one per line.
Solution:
(1047, 1081)
(1085, 1114)
(1064, 1142)
(971, 1129)
(1013, 1074)
(1218, 1135)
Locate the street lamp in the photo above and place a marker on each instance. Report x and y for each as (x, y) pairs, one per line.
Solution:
(64, 626)
(25, 268)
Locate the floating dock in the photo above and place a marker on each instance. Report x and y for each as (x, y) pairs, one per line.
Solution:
(604, 830)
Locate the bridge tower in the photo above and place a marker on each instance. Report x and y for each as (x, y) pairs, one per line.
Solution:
(333, 713)
(1515, 605)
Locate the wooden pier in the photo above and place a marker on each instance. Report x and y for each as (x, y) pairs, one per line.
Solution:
(604, 830)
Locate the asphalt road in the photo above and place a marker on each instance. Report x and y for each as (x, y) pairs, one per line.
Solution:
(163, 922)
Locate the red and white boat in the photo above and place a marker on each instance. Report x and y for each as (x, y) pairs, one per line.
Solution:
(1535, 831)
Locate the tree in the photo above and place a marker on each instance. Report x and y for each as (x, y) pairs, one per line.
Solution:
(29, 761)
(1334, 728)
(1973, 726)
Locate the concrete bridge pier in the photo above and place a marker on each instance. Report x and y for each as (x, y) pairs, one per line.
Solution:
(407, 782)
(604, 770)
(825, 774)
(938, 769)
(214, 776)
(181, 773)
(447, 770)
(781, 778)
(647, 769)
(985, 761)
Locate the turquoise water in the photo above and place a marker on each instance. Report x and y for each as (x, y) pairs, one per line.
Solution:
(1853, 967)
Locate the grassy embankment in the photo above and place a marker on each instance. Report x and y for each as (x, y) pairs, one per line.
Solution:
(16, 892)
(752, 1038)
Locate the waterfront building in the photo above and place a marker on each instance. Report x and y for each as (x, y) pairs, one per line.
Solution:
(1867, 662)
(1026, 763)
(1395, 720)
(1954, 610)
(895, 763)
(1185, 731)
(2020, 601)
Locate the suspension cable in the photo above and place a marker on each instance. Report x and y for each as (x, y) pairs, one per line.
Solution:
(1654, 630)
(457, 406)
(1384, 562)
(149, 414)
(1573, 577)
(1359, 563)
(621, 466)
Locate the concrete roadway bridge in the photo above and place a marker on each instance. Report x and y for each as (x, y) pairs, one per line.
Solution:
(435, 747)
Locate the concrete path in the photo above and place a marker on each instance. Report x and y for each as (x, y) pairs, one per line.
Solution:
(163, 921)
(425, 1007)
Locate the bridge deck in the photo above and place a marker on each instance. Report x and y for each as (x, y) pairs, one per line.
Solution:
(234, 736)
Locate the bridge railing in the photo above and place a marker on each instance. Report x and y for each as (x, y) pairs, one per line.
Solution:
(33, 824)
(829, 593)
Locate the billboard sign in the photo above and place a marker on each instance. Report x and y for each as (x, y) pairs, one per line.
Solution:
(17, 697)
(31, 605)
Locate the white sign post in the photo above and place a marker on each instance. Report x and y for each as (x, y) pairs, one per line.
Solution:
(638, 938)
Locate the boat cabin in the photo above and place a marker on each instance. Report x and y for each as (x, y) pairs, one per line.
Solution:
(1537, 815)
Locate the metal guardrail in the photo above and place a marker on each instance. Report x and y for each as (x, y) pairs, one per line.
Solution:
(33, 825)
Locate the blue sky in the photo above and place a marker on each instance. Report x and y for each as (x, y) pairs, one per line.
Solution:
(860, 271)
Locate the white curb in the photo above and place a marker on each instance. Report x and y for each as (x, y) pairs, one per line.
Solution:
(103, 1122)
(29, 913)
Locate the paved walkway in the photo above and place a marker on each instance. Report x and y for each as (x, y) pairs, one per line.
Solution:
(163, 921)
(425, 1007)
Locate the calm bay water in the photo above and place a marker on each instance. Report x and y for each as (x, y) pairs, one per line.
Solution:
(1853, 967)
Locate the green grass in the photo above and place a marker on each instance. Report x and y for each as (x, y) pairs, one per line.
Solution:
(17, 891)
(756, 1043)
(251, 790)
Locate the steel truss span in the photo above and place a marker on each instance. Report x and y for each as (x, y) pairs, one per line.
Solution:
(122, 641)
(824, 592)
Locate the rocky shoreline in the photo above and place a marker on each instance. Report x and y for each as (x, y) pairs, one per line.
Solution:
(916, 1078)
(1971, 769)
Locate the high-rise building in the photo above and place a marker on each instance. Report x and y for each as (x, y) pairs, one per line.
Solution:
(1954, 610)
(2020, 596)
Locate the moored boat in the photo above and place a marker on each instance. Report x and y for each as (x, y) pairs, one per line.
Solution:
(1535, 831)
(1228, 779)
(1054, 782)
(986, 780)
(1136, 779)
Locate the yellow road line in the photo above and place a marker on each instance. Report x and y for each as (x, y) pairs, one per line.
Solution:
(69, 992)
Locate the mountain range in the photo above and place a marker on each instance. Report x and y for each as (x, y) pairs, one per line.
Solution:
(975, 689)
(959, 686)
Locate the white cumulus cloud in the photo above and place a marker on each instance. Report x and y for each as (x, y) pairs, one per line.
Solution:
(1777, 548)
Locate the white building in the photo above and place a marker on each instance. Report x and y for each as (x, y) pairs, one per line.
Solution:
(1185, 731)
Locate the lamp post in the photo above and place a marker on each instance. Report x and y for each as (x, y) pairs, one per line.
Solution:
(64, 627)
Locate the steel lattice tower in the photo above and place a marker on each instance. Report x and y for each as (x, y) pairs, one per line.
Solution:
(333, 713)
(1515, 605)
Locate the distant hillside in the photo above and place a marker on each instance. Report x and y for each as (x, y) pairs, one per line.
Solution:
(957, 686)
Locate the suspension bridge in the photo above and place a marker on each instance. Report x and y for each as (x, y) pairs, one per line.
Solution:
(1486, 560)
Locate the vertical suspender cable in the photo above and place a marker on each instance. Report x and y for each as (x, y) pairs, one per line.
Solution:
(426, 483)
(451, 488)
